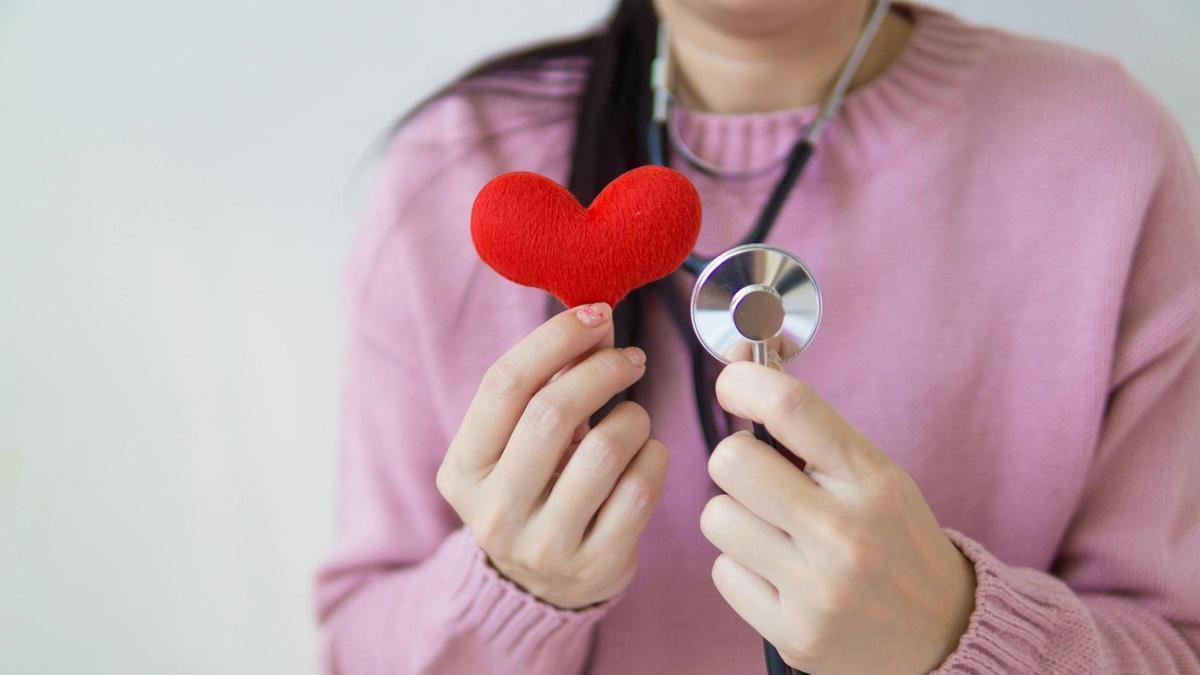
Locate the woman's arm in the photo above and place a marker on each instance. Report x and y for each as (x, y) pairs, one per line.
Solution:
(1125, 591)
(1125, 594)
(408, 590)
(844, 568)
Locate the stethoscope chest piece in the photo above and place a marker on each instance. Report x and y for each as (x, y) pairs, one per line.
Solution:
(755, 298)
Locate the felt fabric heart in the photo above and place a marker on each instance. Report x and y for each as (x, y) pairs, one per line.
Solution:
(534, 232)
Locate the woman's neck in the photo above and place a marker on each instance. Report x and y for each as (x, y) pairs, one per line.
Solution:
(748, 65)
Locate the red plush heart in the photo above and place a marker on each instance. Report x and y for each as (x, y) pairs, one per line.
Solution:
(534, 232)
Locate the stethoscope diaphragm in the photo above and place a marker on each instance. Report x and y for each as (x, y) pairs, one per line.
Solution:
(755, 298)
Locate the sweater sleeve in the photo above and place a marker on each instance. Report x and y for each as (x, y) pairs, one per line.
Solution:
(1123, 595)
(407, 590)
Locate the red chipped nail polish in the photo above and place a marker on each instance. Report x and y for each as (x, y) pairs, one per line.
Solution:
(592, 315)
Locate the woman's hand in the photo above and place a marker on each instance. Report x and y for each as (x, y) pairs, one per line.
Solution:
(843, 566)
(569, 538)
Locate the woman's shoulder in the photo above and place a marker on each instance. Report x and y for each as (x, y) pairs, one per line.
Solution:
(1078, 133)
(1033, 84)
(1068, 117)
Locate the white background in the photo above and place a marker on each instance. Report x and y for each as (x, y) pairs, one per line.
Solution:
(177, 189)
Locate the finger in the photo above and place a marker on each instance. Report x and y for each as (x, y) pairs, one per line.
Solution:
(584, 426)
(764, 481)
(607, 341)
(513, 379)
(797, 417)
(754, 543)
(620, 520)
(774, 360)
(594, 468)
(752, 597)
(576, 438)
(545, 428)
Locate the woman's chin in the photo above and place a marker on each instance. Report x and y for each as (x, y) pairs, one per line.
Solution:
(759, 17)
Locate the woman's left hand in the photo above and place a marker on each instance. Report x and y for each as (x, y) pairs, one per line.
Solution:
(843, 566)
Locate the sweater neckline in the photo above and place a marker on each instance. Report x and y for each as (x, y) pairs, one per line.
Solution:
(941, 54)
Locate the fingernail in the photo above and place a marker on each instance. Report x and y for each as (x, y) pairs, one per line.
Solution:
(774, 360)
(594, 314)
(636, 356)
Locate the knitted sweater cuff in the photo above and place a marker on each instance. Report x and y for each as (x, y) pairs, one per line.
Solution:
(522, 627)
(1014, 613)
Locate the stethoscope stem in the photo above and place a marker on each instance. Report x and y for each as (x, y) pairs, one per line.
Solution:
(758, 350)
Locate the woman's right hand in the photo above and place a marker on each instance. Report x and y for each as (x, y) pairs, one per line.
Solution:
(570, 537)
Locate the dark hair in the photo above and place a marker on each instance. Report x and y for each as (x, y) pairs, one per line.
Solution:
(611, 119)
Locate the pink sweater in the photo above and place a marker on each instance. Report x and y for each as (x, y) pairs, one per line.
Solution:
(1007, 233)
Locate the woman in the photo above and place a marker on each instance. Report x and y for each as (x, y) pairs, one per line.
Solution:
(998, 413)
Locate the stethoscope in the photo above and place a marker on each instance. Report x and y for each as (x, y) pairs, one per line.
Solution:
(753, 301)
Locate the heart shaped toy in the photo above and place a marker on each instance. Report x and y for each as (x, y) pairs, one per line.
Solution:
(534, 232)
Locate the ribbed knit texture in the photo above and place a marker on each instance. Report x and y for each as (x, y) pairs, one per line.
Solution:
(1007, 235)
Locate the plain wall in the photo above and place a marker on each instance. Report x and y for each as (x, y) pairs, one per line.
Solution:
(176, 197)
